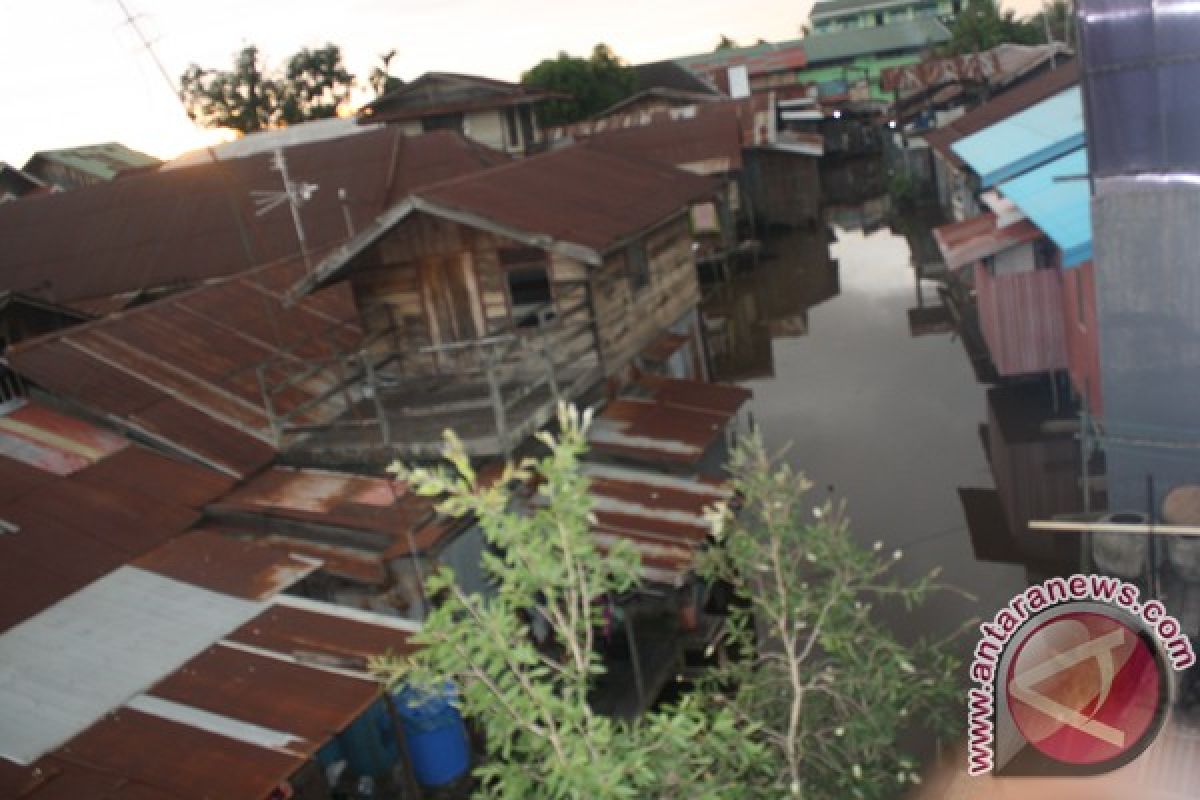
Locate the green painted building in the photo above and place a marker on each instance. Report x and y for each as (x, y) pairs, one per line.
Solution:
(832, 16)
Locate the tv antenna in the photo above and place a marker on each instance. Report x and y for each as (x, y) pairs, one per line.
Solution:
(294, 193)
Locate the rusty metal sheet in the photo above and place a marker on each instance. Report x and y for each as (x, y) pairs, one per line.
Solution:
(655, 432)
(1021, 316)
(342, 562)
(197, 433)
(16, 479)
(51, 778)
(207, 558)
(713, 398)
(183, 226)
(715, 135)
(312, 703)
(449, 93)
(969, 241)
(580, 195)
(53, 442)
(1001, 107)
(149, 749)
(298, 632)
(138, 471)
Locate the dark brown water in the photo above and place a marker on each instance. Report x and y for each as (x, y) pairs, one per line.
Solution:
(877, 416)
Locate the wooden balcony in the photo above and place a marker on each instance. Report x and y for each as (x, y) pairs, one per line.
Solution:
(393, 397)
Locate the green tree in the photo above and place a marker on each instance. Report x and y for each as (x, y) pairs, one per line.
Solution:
(982, 25)
(813, 706)
(249, 98)
(725, 43)
(591, 84)
(1056, 20)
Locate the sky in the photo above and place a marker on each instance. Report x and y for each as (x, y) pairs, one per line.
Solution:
(76, 73)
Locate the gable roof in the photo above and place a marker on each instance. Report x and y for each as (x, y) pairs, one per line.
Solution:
(703, 143)
(1001, 107)
(578, 200)
(184, 226)
(182, 371)
(1057, 198)
(448, 93)
(104, 161)
(670, 75)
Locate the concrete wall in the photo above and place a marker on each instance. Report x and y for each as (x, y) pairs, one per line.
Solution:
(1147, 243)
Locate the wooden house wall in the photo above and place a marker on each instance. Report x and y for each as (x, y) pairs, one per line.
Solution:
(442, 282)
(782, 188)
(1021, 317)
(1082, 334)
(627, 321)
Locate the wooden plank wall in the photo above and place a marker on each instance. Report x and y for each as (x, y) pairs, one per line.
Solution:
(628, 321)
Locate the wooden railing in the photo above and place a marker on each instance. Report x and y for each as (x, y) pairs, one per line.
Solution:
(513, 377)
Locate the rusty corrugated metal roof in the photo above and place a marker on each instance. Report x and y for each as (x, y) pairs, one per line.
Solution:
(706, 143)
(665, 420)
(179, 227)
(449, 93)
(963, 243)
(183, 370)
(50, 441)
(999, 108)
(577, 194)
(300, 633)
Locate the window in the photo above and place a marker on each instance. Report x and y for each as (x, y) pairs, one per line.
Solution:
(878, 18)
(956, 6)
(510, 119)
(637, 265)
(527, 270)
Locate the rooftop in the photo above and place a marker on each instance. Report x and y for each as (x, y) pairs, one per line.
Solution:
(907, 35)
(105, 160)
(703, 143)
(1025, 140)
(171, 228)
(1057, 198)
(1001, 107)
(964, 243)
(448, 93)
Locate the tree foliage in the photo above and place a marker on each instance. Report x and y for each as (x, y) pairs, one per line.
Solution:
(725, 43)
(591, 84)
(812, 707)
(982, 25)
(249, 97)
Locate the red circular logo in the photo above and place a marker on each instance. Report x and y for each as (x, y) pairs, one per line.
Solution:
(1084, 688)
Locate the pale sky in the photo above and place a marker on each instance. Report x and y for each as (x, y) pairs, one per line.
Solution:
(74, 73)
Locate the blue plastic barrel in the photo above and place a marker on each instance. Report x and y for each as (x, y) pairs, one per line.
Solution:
(436, 735)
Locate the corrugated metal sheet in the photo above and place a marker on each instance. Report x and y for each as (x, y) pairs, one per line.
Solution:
(1027, 139)
(1001, 107)
(71, 664)
(1021, 318)
(249, 570)
(179, 227)
(182, 760)
(50, 441)
(969, 241)
(182, 370)
(302, 633)
(661, 515)
(707, 143)
(310, 703)
(1057, 198)
(104, 160)
(577, 194)
(448, 93)
(336, 501)
(995, 67)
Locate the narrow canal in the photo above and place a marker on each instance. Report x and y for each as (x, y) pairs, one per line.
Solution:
(875, 415)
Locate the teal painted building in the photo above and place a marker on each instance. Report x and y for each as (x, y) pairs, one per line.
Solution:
(832, 16)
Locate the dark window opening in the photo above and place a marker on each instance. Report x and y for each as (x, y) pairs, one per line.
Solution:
(956, 6)
(638, 266)
(510, 119)
(528, 273)
(879, 18)
(438, 122)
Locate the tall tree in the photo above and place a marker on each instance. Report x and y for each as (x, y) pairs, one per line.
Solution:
(813, 708)
(591, 84)
(725, 43)
(249, 98)
(982, 25)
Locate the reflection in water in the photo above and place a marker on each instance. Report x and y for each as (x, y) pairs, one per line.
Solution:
(878, 417)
